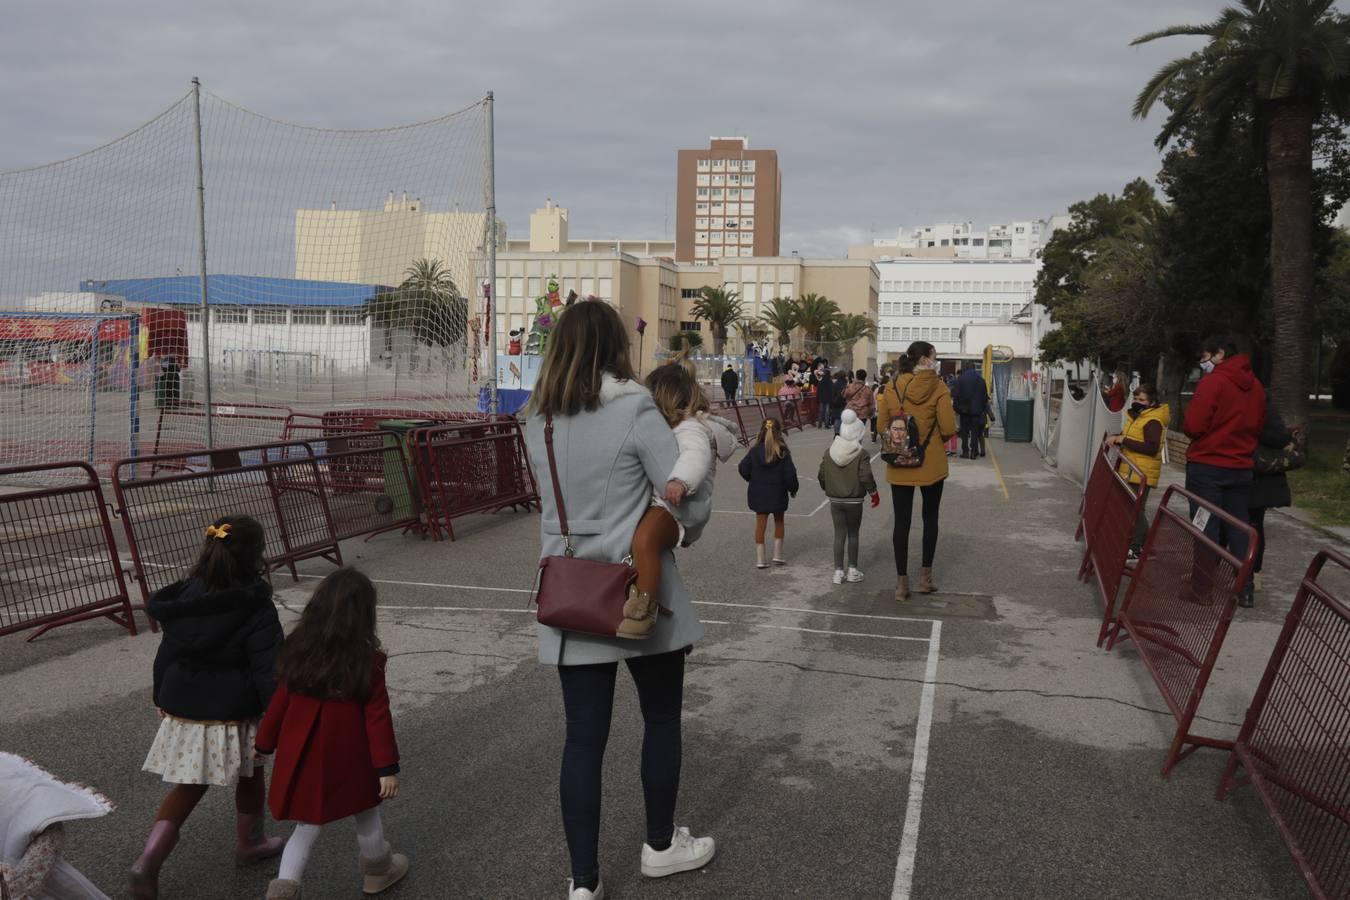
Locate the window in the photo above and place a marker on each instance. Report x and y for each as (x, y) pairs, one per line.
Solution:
(606, 290)
(719, 179)
(747, 194)
(717, 223)
(717, 193)
(700, 237)
(703, 165)
(701, 222)
(733, 209)
(701, 252)
(703, 193)
(348, 317)
(979, 242)
(269, 315)
(747, 252)
(695, 325)
(689, 293)
(718, 209)
(719, 165)
(733, 179)
(734, 164)
(230, 315)
(747, 209)
(701, 207)
(702, 180)
(748, 165)
(194, 314)
(988, 309)
(308, 316)
(915, 309)
(747, 237)
(748, 223)
(946, 243)
(536, 287)
(748, 180)
(733, 193)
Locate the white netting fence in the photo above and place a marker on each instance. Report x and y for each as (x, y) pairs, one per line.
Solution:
(343, 271)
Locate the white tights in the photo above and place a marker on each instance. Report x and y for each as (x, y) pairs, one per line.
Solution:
(369, 837)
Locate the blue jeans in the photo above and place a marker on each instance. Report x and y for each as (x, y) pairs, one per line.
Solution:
(588, 696)
(1228, 489)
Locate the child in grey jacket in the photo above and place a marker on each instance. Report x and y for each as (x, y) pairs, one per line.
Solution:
(846, 477)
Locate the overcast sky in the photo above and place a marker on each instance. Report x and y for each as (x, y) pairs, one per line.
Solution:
(883, 113)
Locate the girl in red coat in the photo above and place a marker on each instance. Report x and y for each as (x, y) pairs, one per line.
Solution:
(330, 727)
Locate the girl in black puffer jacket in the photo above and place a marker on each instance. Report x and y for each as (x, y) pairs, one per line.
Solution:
(214, 676)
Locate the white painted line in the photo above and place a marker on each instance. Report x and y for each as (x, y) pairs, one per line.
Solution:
(918, 773)
(432, 584)
(880, 637)
(821, 612)
(745, 512)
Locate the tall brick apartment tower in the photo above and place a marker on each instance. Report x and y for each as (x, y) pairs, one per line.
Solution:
(728, 202)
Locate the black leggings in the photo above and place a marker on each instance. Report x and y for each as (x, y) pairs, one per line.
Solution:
(903, 498)
(588, 696)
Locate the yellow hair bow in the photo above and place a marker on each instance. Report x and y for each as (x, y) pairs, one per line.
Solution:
(219, 533)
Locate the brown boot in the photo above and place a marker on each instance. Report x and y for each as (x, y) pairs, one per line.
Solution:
(902, 589)
(283, 889)
(639, 615)
(926, 585)
(383, 873)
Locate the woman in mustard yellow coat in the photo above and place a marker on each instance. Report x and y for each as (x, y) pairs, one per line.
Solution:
(918, 392)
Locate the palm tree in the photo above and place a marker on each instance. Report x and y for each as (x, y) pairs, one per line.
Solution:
(1283, 64)
(685, 340)
(427, 303)
(815, 314)
(720, 307)
(751, 330)
(780, 314)
(850, 329)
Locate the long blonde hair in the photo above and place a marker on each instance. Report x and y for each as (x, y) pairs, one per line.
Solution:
(587, 341)
(771, 439)
(676, 392)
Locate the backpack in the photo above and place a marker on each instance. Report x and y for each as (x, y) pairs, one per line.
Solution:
(900, 444)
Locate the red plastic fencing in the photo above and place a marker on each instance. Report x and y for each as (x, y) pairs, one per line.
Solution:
(1104, 463)
(60, 561)
(1295, 742)
(1109, 528)
(368, 483)
(1177, 610)
(166, 506)
(471, 468)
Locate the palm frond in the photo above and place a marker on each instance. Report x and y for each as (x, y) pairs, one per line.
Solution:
(1160, 82)
(1176, 31)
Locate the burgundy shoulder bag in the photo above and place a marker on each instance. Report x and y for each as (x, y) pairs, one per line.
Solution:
(581, 595)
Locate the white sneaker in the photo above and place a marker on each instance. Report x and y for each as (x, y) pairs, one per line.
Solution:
(854, 576)
(585, 893)
(838, 576)
(685, 854)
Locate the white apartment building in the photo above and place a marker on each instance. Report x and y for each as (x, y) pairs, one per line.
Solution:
(927, 299)
(961, 240)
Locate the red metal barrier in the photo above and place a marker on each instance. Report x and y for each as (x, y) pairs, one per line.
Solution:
(1104, 463)
(1178, 608)
(1110, 526)
(1295, 742)
(470, 468)
(369, 419)
(368, 483)
(183, 427)
(60, 559)
(165, 506)
(792, 413)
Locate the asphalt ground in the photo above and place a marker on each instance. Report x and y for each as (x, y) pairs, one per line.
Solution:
(1038, 755)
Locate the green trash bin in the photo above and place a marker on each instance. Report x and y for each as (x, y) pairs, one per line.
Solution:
(398, 487)
(1017, 421)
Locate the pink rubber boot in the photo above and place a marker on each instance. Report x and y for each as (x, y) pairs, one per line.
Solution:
(144, 881)
(253, 846)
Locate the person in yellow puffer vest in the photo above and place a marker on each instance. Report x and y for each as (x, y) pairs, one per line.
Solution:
(1141, 443)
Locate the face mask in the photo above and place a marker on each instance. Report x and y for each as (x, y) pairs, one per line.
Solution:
(1207, 366)
(1137, 408)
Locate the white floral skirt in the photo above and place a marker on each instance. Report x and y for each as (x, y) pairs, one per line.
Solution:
(187, 752)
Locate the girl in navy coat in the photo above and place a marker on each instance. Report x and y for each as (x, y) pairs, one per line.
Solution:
(773, 480)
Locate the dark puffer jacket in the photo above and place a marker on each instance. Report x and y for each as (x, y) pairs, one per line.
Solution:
(217, 661)
(771, 483)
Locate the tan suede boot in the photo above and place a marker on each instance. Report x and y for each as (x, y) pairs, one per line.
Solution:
(383, 873)
(639, 615)
(902, 589)
(926, 585)
(283, 889)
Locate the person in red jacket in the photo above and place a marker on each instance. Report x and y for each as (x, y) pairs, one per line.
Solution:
(330, 727)
(1224, 421)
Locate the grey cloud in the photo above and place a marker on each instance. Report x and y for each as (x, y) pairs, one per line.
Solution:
(882, 113)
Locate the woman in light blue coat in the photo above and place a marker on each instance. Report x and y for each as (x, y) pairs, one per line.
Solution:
(612, 447)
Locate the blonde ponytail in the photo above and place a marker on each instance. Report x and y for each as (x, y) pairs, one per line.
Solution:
(771, 438)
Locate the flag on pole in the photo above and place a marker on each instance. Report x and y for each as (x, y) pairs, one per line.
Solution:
(641, 325)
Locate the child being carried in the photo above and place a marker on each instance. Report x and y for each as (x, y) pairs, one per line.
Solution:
(703, 440)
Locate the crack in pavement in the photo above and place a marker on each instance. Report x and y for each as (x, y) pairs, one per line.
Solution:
(1049, 695)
